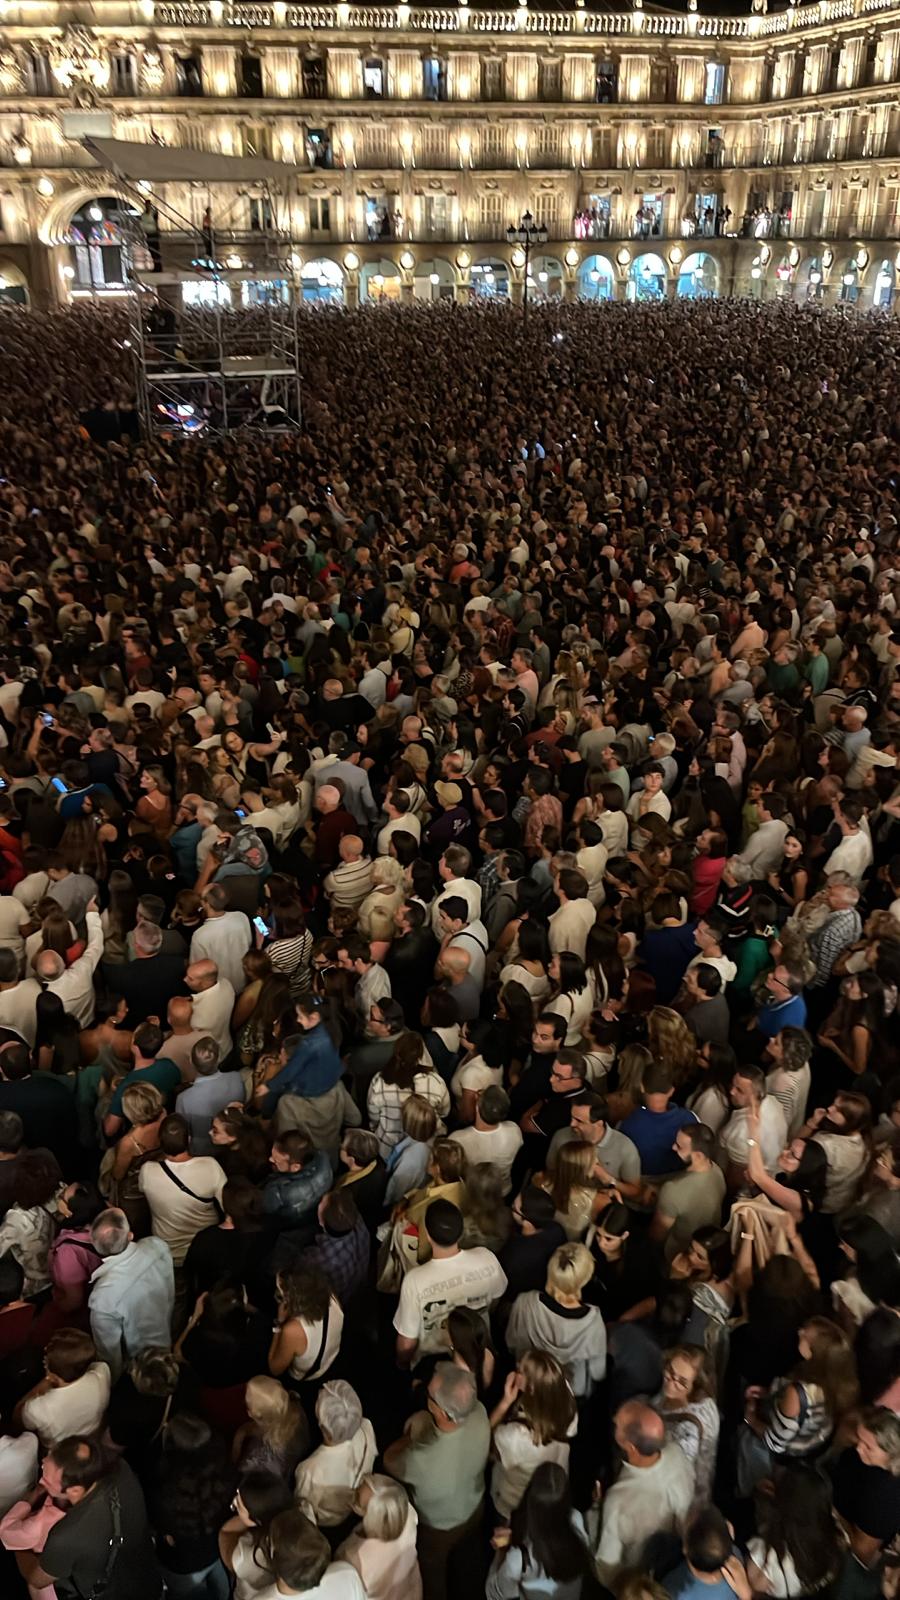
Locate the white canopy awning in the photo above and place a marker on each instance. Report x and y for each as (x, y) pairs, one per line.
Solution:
(155, 163)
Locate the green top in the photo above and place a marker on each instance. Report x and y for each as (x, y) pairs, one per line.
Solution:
(752, 958)
(817, 671)
(445, 1471)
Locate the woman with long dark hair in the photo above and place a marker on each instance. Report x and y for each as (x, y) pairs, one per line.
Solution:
(243, 1539)
(574, 996)
(545, 1549)
(797, 1550)
(850, 1032)
(873, 1278)
(119, 917)
(190, 1494)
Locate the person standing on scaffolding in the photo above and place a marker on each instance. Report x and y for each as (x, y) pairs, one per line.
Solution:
(207, 229)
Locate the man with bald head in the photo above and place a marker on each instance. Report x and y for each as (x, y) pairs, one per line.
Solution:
(650, 1498)
(213, 1003)
(334, 822)
(182, 1035)
(75, 984)
(452, 968)
(342, 711)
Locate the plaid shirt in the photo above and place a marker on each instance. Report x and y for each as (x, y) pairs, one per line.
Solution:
(344, 1259)
(825, 945)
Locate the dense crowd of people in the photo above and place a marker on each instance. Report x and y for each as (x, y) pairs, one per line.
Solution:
(449, 965)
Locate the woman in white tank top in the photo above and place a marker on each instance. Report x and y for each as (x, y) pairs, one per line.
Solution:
(306, 1335)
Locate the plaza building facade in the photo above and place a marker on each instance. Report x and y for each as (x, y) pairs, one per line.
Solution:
(663, 154)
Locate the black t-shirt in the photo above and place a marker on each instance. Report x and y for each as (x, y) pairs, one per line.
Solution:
(216, 1253)
(524, 1258)
(867, 1497)
(49, 1115)
(77, 1550)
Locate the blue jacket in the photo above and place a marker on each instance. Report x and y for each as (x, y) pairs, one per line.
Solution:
(292, 1197)
(314, 1068)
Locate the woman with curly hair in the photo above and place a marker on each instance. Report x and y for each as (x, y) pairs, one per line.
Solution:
(670, 1040)
(309, 1323)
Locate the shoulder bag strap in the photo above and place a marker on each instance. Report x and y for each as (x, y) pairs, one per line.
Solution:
(201, 1199)
(320, 1353)
(101, 1587)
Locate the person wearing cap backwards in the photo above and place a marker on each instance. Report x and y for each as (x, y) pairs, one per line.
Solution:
(453, 825)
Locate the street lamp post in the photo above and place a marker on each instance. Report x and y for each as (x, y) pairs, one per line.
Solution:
(527, 233)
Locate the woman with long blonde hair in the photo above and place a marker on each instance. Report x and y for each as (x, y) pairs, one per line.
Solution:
(670, 1039)
(277, 1435)
(573, 1194)
(532, 1423)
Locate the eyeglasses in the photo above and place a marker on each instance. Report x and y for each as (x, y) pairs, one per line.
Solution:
(676, 1379)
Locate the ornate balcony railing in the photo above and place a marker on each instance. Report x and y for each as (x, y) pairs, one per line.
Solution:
(340, 16)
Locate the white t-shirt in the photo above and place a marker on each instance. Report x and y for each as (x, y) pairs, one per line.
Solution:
(781, 1575)
(339, 1582)
(499, 1146)
(18, 1468)
(518, 1458)
(13, 918)
(177, 1216)
(326, 1481)
(76, 1408)
(430, 1292)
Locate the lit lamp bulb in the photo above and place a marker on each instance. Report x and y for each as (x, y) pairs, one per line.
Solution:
(434, 278)
(45, 187)
(95, 213)
(22, 153)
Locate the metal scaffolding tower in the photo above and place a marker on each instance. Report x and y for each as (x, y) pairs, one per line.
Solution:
(208, 367)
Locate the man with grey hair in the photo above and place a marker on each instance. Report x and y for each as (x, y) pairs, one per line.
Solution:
(442, 1459)
(842, 927)
(146, 981)
(224, 937)
(327, 1481)
(132, 1292)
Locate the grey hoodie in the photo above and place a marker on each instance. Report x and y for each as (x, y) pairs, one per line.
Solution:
(577, 1341)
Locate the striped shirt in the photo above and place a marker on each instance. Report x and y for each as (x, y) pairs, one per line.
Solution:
(350, 883)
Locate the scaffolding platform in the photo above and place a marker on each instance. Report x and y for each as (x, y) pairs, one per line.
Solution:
(208, 369)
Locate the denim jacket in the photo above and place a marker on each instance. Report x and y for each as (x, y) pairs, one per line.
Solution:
(314, 1068)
